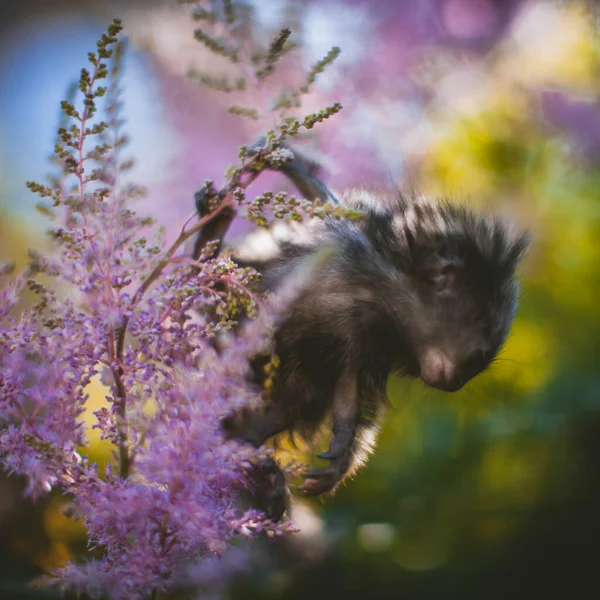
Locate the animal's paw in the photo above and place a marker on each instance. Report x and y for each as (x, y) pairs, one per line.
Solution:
(326, 479)
(271, 496)
(319, 481)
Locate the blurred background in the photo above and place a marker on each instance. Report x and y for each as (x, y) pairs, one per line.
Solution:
(492, 492)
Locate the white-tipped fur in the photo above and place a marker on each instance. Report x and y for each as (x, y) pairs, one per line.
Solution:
(361, 198)
(264, 245)
(259, 245)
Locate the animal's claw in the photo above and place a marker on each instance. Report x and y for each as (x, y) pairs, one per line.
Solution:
(329, 455)
(319, 481)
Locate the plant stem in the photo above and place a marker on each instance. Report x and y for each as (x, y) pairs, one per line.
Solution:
(225, 206)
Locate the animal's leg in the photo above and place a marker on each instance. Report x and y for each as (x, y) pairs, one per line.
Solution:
(343, 446)
(270, 493)
(257, 427)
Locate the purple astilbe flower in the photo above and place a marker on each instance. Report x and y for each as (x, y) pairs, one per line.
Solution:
(142, 318)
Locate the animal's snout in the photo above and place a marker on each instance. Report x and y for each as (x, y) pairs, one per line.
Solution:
(439, 371)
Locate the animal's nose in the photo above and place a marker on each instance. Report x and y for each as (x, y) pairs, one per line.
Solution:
(438, 370)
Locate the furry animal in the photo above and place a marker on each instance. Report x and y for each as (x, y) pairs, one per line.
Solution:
(421, 287)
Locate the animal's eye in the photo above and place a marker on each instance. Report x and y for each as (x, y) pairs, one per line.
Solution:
(444, 278)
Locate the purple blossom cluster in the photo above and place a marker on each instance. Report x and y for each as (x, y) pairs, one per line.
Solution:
(142, 318)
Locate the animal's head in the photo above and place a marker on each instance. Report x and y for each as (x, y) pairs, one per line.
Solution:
(460, 269)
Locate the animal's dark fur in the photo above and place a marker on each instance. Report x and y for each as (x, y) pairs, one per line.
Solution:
(421, 287)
